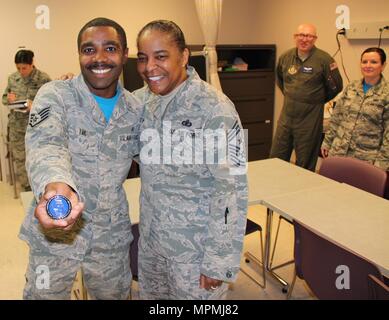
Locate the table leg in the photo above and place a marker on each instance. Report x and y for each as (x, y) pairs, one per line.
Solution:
(269, 222)
(266, 261)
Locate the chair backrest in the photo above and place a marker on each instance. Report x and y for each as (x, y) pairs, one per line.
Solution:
(330, 270)
(378, 289)
(134, 251)
(355, 172)
(251, 227)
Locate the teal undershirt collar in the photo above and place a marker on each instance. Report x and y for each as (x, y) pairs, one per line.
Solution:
(107, 105)
(366, 87)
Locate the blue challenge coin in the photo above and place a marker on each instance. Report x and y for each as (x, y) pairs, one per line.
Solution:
(58, 207)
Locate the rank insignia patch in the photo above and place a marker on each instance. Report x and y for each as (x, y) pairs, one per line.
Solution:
(37, 118)
(292, 70)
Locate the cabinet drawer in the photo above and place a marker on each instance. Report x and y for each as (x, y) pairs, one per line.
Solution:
(259, 151)
(246, 83)
(256, 109)
(258, 132)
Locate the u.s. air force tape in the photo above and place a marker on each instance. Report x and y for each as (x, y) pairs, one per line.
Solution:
(58, 207)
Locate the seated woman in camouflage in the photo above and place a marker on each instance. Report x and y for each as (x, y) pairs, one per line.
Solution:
(359, 127)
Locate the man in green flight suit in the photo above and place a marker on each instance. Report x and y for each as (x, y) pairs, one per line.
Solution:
(308, 77)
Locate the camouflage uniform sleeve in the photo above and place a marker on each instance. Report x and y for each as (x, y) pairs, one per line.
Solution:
(332, 79)
(47, 155)
(45, 78)
(280, 76)
(228, 208)
(382, 159)
(138, 107)
(4, 98)
(140, 94)
(335, 121)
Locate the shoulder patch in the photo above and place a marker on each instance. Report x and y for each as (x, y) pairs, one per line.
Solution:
(333, 66)
(37, 118)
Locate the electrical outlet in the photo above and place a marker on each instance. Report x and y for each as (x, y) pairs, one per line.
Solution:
(367, 30)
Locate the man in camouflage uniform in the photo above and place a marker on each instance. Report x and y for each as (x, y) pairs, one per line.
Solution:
(22, 85)
(308, 77)
(74, 150)
(193, 211)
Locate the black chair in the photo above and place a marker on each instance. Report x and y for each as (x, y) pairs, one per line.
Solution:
(378, 289)
(134, 251)
(330, 270)
(252, 227)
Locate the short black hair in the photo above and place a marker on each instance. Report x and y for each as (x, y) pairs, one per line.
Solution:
(24, 56)
(378, 50)
(104, 22)
(168, 27)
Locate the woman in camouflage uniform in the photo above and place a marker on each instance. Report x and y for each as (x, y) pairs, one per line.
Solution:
(359, 127)
(193, 214)
(22, 85)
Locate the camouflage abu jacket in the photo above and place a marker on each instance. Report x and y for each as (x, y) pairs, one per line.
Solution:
(68, 140)
(359, 126)
(25, 88)
(192, 210)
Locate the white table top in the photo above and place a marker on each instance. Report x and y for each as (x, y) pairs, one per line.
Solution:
(346, 215)
(273, 177)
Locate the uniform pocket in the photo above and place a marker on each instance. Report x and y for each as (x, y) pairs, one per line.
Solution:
(126, 146)
(83, 142)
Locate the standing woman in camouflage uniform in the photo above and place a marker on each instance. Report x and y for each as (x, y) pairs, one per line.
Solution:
(193, 214)
(359, 126)
(22, 85)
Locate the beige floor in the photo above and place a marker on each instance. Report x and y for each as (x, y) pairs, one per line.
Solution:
(13, 252)
(14, 256)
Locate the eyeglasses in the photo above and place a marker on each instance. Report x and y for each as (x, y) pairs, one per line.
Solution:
(304, 35)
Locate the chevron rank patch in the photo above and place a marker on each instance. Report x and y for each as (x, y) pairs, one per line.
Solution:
(235, 145)
(37, 118)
